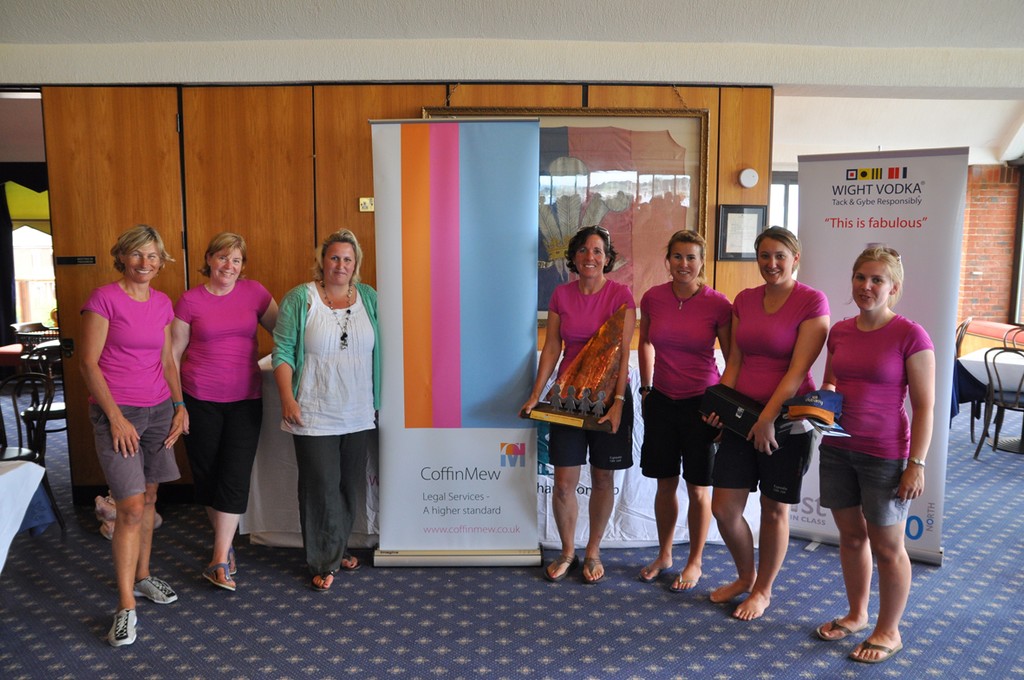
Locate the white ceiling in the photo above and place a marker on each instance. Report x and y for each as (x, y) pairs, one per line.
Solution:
(849, 76)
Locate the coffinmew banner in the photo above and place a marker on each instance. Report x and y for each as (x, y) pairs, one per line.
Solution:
(456, 234)
(912, 201)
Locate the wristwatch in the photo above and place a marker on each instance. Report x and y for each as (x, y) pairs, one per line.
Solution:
(916, 461)
(646, 389)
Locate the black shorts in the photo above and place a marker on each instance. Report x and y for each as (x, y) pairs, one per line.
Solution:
(674, 431)
(739, 465)
(568, 446)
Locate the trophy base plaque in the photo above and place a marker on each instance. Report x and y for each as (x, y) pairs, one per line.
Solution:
(550, 414)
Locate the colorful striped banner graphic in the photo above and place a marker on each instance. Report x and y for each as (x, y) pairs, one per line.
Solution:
(463, 279)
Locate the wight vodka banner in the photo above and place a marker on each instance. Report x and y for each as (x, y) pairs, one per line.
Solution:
(912, 201)
(456, 228)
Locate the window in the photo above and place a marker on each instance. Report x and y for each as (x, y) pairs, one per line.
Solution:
(783, 201)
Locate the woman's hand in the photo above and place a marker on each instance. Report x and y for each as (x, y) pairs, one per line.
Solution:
(179, 426)
(911, 483)
(763, 435)
(290, 412)
(613, 415)
(124, 435)
(528, 406)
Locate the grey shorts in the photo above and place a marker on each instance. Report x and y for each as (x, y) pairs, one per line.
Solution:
(849, 478)
(153, 464)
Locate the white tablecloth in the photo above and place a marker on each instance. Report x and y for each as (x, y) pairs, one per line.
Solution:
(18, 482)
(1011, 367)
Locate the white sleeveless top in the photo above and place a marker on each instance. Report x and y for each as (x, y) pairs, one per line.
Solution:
(336, 387)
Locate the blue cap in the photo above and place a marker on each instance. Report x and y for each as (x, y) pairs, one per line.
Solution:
(824, 406)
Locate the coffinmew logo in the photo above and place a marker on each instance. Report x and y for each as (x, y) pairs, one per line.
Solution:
(512, 455)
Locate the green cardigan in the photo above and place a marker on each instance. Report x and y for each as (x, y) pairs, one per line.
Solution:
(290, 332)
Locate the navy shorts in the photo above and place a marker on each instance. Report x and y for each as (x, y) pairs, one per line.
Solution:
(674, 431)
(739, 465)
(569, 446)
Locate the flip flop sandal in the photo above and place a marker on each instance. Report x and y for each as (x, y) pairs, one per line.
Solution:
(321, 583)
(353, 562)
(681, 585)
(233, 568)
(210, 574)
(589, 565)
(838, 627)
(887, 652)
(652, 574)
(572, 563)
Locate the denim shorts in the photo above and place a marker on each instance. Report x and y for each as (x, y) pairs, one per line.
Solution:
(849, 478)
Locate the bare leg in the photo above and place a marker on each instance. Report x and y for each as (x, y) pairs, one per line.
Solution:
(666, 512)
(772, 547)
(727, 505)
(566, 509)
(125, 546)
(698, 520)
(224, 526)
(855, 558)
(894, 578)
(602, 499)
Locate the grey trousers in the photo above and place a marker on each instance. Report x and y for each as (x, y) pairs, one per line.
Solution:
(332, 481)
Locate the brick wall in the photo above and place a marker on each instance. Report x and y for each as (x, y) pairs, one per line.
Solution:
(990, 234)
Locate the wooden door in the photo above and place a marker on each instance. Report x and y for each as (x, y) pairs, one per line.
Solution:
(248, 155)
(113, 162)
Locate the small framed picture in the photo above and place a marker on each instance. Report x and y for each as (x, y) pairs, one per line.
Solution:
(738, 226)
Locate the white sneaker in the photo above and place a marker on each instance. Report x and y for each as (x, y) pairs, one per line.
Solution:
(155, 589)
(123, 630)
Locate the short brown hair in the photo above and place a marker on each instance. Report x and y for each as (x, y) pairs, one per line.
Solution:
(133, 239)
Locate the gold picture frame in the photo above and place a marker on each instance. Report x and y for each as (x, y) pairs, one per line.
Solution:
(640, 173)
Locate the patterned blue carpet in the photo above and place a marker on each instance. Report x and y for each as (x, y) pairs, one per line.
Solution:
(57, 600)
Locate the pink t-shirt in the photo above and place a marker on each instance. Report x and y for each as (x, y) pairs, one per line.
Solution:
(131, 357)
(870, 368)
(684, 338)
(582, 315)
(221, 362)
(767, 340)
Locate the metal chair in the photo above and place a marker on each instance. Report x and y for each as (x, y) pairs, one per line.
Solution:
(1005, 369)
(24, 437)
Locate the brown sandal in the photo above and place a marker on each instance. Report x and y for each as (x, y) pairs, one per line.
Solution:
(322, 582)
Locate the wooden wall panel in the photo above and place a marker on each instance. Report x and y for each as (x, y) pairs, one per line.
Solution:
(113, 162)
(248, 154)
(344, 156)
(516, 95)
(745, 142)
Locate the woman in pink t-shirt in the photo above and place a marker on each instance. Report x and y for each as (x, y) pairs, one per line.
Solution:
(214, 336)
(136, 410)
(874, 361)
(578, 310)
(679, 323)
(778, 330)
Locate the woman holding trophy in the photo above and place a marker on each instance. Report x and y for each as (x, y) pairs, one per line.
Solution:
(577, 311)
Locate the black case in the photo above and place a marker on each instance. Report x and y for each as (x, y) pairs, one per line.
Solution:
(738, 412)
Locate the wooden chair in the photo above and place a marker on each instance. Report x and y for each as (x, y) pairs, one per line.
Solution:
(24, 438)
(961, 331)
(1005, 369)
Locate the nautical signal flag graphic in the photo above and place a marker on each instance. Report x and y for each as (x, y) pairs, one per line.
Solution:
(869, 173)
(898, 173)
